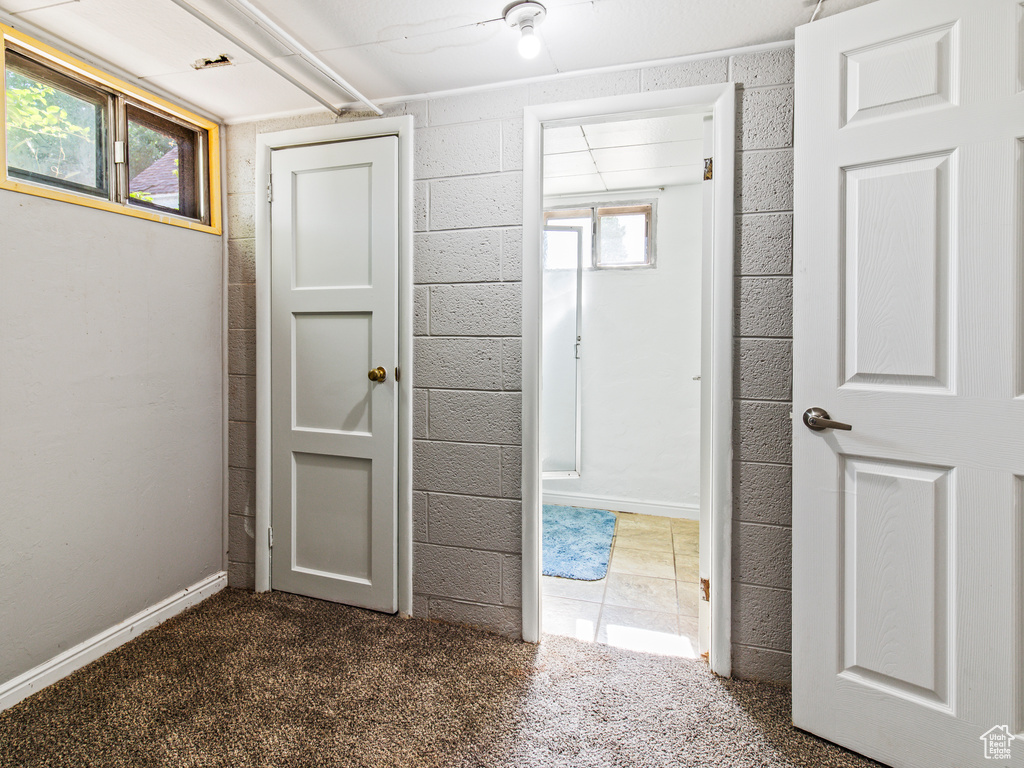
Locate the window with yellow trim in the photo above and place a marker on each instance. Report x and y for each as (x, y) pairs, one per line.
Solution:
(84, 137)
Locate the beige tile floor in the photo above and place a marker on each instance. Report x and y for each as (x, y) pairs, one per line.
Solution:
(648, 600)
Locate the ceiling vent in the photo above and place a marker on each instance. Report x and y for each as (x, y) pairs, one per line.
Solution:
(221, 61)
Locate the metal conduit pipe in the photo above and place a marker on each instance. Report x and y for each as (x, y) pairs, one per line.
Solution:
(282, 36)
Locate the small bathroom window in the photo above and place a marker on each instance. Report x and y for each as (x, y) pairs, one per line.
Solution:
(624, 237)
(615, 236)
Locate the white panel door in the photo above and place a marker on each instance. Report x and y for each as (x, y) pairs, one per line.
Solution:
(908, 531)
(334, 305)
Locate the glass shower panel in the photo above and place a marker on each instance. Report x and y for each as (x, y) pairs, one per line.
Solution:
(560, 383)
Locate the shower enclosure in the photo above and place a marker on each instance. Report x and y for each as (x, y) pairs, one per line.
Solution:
(563, 248)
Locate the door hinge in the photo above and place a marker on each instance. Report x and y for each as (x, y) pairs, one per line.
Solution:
(709, 168)
(579, 340)
(270, 538)
(705, 590)
(270, 191)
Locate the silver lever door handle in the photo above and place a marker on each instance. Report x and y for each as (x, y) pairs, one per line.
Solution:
(818, 419)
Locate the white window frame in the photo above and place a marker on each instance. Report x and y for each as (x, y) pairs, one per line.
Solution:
(595, 247)
(650, 261)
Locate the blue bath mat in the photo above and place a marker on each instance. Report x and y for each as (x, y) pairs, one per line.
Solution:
(577, 542)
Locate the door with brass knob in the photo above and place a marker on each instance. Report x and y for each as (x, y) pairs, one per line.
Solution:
(334, 308)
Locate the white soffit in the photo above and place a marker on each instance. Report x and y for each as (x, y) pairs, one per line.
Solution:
(654, 177)
(330, 24)
(568, 138)
(644, 156)
(573, 185)
(20, 6)
(400, 47)
(626, 154)
(229, 91)
(569, 164)
(466, 56)
(651, 130)
(144, 37)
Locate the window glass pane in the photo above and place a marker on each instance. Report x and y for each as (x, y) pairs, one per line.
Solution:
(622, 239)
(153, 167)
(161, 164)
(556, 253)
(56, 128)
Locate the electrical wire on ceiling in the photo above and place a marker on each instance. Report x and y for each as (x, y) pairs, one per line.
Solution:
(817, 9)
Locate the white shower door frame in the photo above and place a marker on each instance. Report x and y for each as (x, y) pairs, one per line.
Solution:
(577, 387)
(716, 343)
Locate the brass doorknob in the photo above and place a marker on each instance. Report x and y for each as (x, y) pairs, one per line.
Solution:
(378, 374)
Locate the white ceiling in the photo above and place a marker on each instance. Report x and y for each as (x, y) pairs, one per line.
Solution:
(394, 48)
(628, 154)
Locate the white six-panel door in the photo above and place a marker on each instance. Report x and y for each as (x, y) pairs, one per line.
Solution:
(334, 304)
(908, 562)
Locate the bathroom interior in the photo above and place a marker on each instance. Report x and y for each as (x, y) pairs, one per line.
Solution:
(621, 380)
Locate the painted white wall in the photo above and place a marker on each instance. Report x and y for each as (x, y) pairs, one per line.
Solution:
(641, 349)
(110, 421)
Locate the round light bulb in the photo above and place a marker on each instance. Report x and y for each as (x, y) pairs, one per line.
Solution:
(529, 43)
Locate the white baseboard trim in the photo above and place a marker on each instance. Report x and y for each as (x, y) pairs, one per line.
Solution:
(64, 664)
(680, 511)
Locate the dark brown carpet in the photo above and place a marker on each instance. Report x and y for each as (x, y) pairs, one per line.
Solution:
(277, 680)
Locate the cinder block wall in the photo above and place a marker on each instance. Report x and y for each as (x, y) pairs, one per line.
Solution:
(762, 489)
(468, 326)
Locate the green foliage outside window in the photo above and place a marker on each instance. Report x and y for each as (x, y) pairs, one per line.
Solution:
(145, 147)
(62, 130)
(51, 132)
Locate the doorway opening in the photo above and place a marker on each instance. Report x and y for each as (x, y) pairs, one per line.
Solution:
(627, 372)
(620, 381)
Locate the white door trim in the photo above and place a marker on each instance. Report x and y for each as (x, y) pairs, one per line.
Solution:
(402, 127)
(717, 341)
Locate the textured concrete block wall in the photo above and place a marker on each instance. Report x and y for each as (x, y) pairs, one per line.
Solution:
(468, 419)
(762, 542)
(467, 457)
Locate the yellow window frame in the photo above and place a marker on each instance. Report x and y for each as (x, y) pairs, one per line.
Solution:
(95, 76)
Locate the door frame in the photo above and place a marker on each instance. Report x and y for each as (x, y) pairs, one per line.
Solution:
(402, 127)
(716, 346)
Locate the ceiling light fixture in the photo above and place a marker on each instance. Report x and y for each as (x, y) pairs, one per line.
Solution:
(526, 17)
